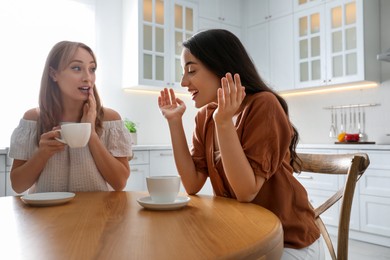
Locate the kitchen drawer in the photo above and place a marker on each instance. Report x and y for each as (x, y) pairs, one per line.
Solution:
(378, 159)
(374, 215)
(2, 162)
(137, 179)
(375, 182)
(316, 198)
(319, 181)
(162, 163)
(140, 157)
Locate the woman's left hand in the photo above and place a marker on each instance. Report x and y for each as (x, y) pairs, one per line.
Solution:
(230, 97)
(89, 110)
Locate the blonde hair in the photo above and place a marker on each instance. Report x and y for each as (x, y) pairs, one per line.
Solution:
(50, 102)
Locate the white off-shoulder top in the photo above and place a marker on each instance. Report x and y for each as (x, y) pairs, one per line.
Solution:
(74, 169)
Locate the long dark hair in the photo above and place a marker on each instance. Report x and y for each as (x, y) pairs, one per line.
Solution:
(50, 102)
(221, 52)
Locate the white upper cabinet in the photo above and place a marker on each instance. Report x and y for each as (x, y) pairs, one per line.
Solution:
(224, 11)
(300, 5)
(258, 11)
(221, 14)
(269, 41)
(153, 31)
(337, 42)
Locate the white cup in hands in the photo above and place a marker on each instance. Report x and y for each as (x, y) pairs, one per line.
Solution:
(75, 135)
(163, 189)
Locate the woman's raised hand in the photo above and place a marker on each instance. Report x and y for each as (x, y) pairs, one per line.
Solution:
(170, 106)
(89, 110)
(230, 97)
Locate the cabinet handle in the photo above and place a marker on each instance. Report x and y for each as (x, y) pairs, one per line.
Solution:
(134, 170)
(166, 154)
(305, 177)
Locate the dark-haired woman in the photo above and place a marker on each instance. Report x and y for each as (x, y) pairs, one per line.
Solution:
(68, 94)
(243, 139)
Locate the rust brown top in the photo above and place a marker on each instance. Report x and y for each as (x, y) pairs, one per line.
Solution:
(265, 134)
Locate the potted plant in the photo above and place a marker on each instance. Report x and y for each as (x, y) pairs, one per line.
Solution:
(132, 127)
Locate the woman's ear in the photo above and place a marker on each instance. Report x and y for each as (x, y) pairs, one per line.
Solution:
(52, 74)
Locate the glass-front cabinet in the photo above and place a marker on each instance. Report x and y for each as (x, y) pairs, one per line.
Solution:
(337, 42)
(153, 33)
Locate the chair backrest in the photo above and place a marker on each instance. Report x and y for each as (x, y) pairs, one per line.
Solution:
(351, 165)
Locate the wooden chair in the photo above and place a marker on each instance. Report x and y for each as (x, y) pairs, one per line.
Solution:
(352, 165)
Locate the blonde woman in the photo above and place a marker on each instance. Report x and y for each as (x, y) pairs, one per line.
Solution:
(68, 94)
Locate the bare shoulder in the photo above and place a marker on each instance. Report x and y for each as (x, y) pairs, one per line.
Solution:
(32, 114)
(110, 115)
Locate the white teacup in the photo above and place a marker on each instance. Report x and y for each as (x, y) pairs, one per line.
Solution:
(163, 189)
(75, 134)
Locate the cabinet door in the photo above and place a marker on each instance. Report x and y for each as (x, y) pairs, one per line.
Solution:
(162, 163)
(278, 8)
(344, 62)
(374, 215)
(257, 43)
(255, 12)
(137, 179)
(300, 5)
(225, 11)
(184, 26)
(154, 41)
(230, 12)
(2, 174)
(281, 49)
(310, 47)
(205, 24)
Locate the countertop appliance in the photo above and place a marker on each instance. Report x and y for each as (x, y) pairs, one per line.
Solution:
(384, 56)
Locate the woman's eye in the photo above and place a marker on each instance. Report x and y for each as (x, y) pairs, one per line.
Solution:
(77, 68)
(191, 71)
(92, 70)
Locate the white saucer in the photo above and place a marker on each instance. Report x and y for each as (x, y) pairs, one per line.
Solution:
(148, 203)
(47, 198)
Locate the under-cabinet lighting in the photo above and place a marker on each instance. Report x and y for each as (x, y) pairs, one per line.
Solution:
(301, 92)
(328, 89)
(152, 92)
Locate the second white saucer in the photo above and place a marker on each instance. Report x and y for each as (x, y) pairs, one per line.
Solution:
(148, 203)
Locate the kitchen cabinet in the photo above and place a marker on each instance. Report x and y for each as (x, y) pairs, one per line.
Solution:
(259, 11)
(271, 46)
(372, 194)
(2, 174)
(139, 170)
(224, 11)
(221, 14)
(336, 43)
(153, 31)
(300, 5)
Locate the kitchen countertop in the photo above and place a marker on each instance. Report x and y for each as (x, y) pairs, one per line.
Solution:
(151, 147)
(3, 150)
(346, 146)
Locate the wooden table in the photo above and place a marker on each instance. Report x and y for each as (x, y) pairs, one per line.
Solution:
(112, 225)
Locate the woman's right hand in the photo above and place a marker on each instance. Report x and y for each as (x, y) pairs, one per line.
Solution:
(49, 145)
(170, 106)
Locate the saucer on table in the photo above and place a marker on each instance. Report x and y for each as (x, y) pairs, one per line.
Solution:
(148, 203)
(47, 198)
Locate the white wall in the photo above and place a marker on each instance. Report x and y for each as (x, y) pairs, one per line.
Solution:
(29, 29)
